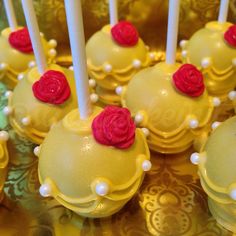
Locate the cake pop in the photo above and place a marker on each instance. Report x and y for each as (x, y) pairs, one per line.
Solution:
(114, 54)
(169, 100)
(16, 50)
(3, 160)
(216, 169)
(45, 94)
(212, 50)
(94, 160)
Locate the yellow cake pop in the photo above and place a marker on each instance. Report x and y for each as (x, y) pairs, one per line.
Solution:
(212, 50)
(114, 55)
(32, 116)
(16, 54)
(169, 102)
(3, 160)
(88, 177)
(216, 165)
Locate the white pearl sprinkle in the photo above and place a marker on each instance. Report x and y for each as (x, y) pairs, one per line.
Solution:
(184, 53)
(52, 52)
(215, 124)
(146, 131)
(234, 61)
(45, 190)
(183, 43)
(152, 55)
(107, 68)
(92, 83)
(26, 121)
(71, 68)
(195, 158)
(119, 90)
(20, 76)
(136, 63)
(138, 118)
(146, 165)
(52, 43)
(31, 64)
(37, 151)
(4, 136)
(193, 123)
(93, 97)
(216, 101)
(102, 189)
(233, 194)
(7, 110)
(206, 62)
(3, 66)
(8, 94)
(232, 95)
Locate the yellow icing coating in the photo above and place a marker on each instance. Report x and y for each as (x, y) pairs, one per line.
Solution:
(101, 50)
(4, 158)
(208, 42)
(217, 174)
(81, 163)
(166, 111)
(17, 62)
(42, 115)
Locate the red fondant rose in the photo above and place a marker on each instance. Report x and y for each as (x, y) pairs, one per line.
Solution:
(125, 34)
(52, 88)
(20, 40)
(189, 80)
(230, 36)
(114, 127)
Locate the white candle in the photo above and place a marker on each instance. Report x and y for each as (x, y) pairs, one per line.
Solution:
(11, 17)
(113, 12)
(77, 43)
(172, 31)
(34, 32)
(224, 6)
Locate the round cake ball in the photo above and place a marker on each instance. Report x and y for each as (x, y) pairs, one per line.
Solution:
(39, 101)
(171, 104)
(216, 165)
(212, 49)
(93, 166)
(16, 54)
(114, 55)
(4, 158)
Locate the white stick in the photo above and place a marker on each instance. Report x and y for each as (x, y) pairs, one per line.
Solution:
(224, 6)
(77, 43)
(33, 28)
(11, 17)
(172, 31)
(113, 12)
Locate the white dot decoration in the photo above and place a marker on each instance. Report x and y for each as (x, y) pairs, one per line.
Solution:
(136, 63)
(119, 90)
(184, 53)
(193, 123)
(232, 95)
(146, 131)
(152, 55)
(20, 76)
(138, 118)
(183, 43)
(233, 194)
(215, 124)
(93, 97)
(26, 121)
(52, 52)
(4, 136)
(7, 110)
(195, 158)
(102, 189)
(3, 66)
(8, 94)
(107, 68)
(146, 165)
(234, 61)
(92, 83)
(31, 64)
(52, 43)
(206, 62)
(45, 190)
(71, 68)
(37, 151)
(216, 101)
